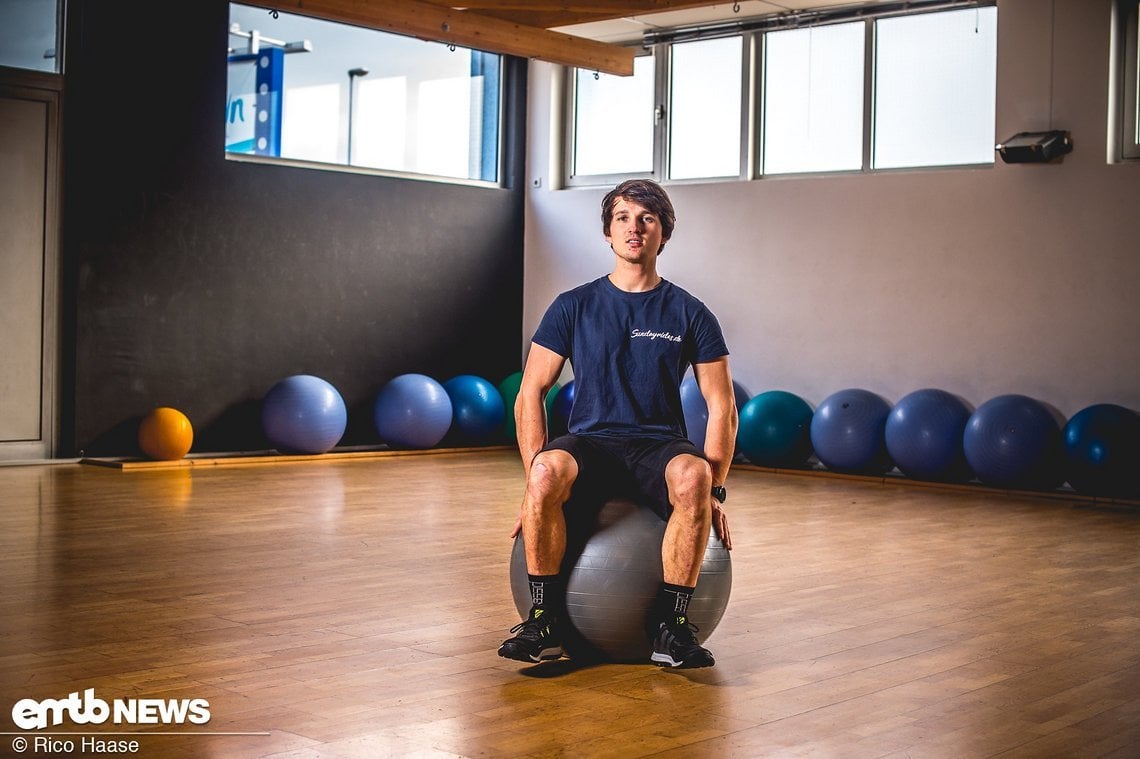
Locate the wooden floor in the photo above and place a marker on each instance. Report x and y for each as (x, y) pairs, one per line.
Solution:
(353, 608)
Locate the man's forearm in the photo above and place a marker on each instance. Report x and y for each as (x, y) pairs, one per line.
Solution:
(720, 443)
(530, 427)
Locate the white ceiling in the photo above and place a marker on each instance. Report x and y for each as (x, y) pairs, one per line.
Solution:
(631, 28)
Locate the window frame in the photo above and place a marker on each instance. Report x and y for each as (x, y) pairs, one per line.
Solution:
(58, 49)
(664, 88)
(753, 100)
(871, 81)
(570, 126)
(506, 73)
(1130, 80)
(760, 96)
(662, 54)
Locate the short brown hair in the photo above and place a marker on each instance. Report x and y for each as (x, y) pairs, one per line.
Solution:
(646, 193)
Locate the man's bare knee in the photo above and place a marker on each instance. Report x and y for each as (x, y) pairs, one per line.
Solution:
(689, 479)
(687, 476)
(552, 473)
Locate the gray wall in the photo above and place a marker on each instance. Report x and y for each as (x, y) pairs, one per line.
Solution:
(197, 282)
(1010, 279)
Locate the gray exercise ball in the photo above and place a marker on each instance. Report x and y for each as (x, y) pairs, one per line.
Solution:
(612, 572)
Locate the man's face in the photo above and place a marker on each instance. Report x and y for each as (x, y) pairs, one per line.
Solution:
(635, 232)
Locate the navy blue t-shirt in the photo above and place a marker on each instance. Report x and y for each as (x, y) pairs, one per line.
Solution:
(629, 353)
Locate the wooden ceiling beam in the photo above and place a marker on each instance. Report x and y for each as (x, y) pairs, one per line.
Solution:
(466, 28)
(607, 8)
(547, 15)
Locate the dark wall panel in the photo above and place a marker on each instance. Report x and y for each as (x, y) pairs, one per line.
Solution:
(198, 282)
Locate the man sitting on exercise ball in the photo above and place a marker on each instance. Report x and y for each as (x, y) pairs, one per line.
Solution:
(630, 337)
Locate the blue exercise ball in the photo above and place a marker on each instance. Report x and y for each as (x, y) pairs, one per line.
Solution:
(477, 407)
(696, 411)
(775, 429)
(847, 432)
(1013, 441)
(1102, 451)
(303, 414)
(412, 411)
(559, 413)
(924, 435)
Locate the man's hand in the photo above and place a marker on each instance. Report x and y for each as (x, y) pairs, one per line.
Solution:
(719, 523)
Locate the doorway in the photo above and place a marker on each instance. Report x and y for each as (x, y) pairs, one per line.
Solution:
(29, 266)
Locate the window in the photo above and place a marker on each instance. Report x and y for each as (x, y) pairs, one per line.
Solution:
(813, 85)
(1130, 80)
(705, 102)
(935, 89)
(900, 85)
(29, 35)
(612, 129)
(320, 92)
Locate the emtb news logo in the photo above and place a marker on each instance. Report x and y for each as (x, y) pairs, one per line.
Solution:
(29, 714)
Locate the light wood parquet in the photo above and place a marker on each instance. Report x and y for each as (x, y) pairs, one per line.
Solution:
(352, 608)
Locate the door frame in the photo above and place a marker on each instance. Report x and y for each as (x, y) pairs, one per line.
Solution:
(44, 88)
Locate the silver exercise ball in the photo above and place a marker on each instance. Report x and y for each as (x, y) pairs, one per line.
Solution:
(612, 572)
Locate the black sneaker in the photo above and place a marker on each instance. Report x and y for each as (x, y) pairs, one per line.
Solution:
(538, 639)
(675, 645)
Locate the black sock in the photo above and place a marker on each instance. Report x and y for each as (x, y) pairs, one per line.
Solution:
(545, 592)
(673, 600)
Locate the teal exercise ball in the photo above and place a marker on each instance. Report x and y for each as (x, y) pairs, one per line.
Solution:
(775, 430)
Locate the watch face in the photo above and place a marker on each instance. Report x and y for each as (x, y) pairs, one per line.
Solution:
(719, 493)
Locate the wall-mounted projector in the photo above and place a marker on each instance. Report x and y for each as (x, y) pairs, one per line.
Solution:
(1035, 147)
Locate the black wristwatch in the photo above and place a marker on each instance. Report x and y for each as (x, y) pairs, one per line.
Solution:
(719, 493)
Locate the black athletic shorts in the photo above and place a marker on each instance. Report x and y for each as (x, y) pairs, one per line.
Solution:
(632, 468)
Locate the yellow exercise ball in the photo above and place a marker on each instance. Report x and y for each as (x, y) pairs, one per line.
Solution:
(165, 434)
